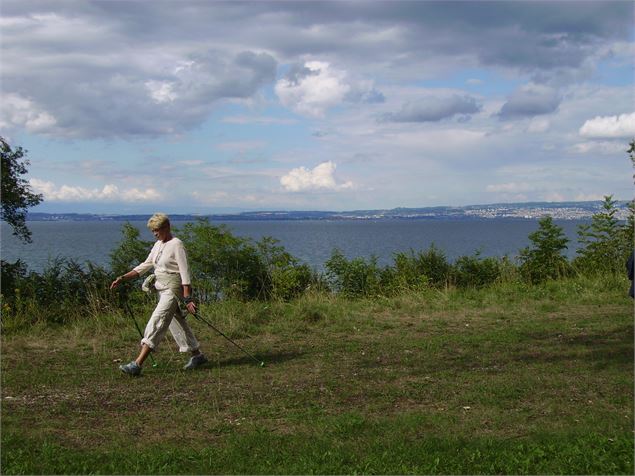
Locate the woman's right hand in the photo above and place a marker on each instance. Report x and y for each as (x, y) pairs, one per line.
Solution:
(116, 282)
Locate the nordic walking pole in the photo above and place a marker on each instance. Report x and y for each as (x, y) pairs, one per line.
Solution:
(200, 318)
(154, 364)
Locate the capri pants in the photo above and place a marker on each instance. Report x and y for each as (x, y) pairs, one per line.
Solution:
(167, 315)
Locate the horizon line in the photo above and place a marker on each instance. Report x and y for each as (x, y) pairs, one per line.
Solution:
(238, 212)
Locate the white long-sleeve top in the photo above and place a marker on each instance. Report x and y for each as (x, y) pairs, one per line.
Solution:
(168, 257)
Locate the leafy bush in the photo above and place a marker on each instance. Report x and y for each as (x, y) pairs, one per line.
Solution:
(10, 276)
(416, 271)
(407, 273)
(509, 271)
(130, 251)
(224, 265)
(606, 243)
(354, 278)
(544, 260)
(474, 271)
(287, 278)
(434, 264)
(63, 291)
(412, 271)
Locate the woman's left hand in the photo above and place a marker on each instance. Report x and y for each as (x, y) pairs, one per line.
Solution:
(191, 307)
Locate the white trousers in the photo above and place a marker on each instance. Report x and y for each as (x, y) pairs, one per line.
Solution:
(167, 315)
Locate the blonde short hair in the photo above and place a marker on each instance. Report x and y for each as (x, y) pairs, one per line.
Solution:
(158, 220)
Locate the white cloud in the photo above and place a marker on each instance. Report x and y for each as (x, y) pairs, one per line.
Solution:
(518, 191)
(18, 111)
(161, 91)
(588, 197)
(538, 124)
(599, 147)
(77, 95)
(319, 178)
(109, 193)
(609, 127)
(313, 89)
(511, 187)
(210, 198)
(553, 197)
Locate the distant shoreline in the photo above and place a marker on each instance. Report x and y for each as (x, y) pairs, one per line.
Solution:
(526, 211)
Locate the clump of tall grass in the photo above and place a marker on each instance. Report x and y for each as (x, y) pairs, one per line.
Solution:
(62, 292)
(415, 271)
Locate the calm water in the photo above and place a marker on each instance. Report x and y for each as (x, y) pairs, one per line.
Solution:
(310, 241)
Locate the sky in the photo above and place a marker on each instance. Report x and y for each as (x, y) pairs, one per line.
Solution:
(216, 107)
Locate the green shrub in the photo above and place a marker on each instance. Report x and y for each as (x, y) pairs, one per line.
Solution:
(407, 273)
(10, 275)
(223, 265)
(474, 271)
(606, 243)
(434, 264)
(354, 278)
(130, 251)
(544, 260)
(415, 271)
(286, 277)
(509, 271)
(226, 266)
(62, 292)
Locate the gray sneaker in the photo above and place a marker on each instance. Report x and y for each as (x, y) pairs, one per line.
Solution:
(131, 368)
(195, 361)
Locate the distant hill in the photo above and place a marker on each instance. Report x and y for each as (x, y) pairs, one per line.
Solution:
(529, 210)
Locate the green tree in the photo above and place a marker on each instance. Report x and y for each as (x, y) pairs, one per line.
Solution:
(16, 195)
(605, 241)
(544, 260)
(130, 251)
(224, 265)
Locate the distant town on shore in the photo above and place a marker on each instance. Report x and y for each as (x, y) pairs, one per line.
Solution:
(526, 211)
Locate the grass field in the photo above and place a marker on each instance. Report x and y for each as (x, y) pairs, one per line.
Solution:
(510, 380)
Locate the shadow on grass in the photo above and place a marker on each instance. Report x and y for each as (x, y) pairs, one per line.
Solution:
(603, 349)
(611, 347)
(268, 358)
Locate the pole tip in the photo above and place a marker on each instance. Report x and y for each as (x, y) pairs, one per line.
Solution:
(262, 364)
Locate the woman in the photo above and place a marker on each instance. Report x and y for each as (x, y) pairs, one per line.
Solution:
(169, 261)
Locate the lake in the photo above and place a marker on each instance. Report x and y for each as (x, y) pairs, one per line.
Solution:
(311, 241)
